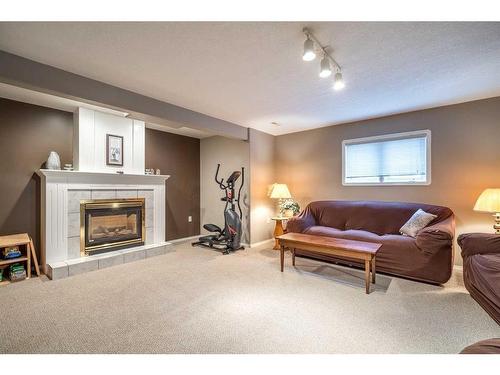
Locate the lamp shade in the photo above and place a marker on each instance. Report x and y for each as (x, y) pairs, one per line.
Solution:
(488, 201)
(280, 191)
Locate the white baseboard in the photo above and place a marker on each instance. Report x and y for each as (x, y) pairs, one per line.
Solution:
(255, 244)
(185, 239)
(458, 268)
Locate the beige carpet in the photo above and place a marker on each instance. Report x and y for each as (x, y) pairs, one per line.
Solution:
(195, 300)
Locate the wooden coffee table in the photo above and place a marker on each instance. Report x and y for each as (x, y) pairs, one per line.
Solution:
(358, 250)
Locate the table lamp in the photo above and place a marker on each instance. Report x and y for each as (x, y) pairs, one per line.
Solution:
(280, 192)
(489, 201)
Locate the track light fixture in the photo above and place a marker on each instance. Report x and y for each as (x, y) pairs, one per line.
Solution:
(326, 62)
(338, 82)
(325, 68)
(309, 53)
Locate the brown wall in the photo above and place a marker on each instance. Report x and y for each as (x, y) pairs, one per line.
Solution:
(27, 134)
(465, 160)
(179, 157)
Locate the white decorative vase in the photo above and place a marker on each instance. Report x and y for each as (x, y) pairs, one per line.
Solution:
(53, 162)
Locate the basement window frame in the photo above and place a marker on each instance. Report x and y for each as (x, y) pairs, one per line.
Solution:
(426, 134)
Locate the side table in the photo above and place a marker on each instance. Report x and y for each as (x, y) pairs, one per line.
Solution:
(278, 229)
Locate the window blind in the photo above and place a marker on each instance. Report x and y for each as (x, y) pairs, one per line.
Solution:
(401, 159)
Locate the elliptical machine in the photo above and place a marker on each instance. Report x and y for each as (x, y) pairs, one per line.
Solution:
(229, 238)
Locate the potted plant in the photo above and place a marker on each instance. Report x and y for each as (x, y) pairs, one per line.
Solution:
(289, 208)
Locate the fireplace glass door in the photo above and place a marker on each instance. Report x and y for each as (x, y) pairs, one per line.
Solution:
(111, 224)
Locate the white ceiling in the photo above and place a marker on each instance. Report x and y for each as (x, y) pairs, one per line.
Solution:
(252, 74)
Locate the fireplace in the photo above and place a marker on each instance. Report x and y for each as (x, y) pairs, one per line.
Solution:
(107, 225)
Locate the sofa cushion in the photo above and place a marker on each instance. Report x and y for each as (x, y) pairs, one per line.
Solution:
(418, 221)
(373, 216)
(395, 240)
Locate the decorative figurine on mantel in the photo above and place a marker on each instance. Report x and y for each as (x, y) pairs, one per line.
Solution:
(53, 161)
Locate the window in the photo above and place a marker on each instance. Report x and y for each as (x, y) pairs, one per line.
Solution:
(394, 159)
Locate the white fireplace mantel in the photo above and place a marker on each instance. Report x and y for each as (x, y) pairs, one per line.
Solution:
(56, 175)
(62, 191)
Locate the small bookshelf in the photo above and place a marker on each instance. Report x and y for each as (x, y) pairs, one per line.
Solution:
(25, 245)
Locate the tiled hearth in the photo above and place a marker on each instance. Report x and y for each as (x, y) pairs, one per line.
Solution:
(62, 193)
(71, 267)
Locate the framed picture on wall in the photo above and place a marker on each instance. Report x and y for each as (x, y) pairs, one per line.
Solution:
(114, 150)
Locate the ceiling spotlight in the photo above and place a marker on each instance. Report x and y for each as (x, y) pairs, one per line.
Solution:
(326, 69)
(338, 83)
(309, 53)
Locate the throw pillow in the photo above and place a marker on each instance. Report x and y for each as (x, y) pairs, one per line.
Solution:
(418, 221)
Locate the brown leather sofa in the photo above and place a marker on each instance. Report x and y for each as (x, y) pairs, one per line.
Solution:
(428, 257)
(481, 254)
(489, 346)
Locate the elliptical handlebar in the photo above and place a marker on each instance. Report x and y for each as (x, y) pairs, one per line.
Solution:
(221, 182)
(239, 191)
(231, 182)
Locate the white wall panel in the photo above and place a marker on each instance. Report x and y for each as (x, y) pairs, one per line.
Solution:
(91, 129)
